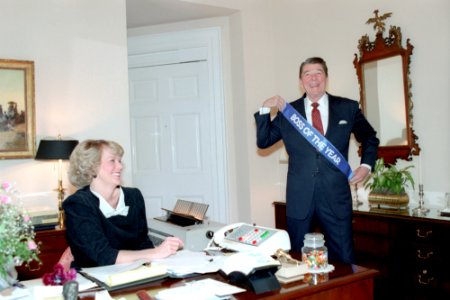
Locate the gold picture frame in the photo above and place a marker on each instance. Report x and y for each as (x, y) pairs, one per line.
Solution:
(17, 115)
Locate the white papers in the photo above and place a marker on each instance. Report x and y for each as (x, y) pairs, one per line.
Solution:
(39, 291)
(206, 289)
(16, 293)
(186, 262)
(245, 262)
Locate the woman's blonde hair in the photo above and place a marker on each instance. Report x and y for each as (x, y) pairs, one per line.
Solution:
(86, 158)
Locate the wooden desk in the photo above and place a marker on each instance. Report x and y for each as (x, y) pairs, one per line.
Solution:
(345, 282)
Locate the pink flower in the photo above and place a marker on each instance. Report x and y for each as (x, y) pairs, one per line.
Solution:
(26, 218)
(4, 199)
(32, 245)
(6, 185)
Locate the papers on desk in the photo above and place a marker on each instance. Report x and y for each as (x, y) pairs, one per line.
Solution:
(16, 293)
(206, 289)
(186, 262)
(246, 262)
(114, 277)
(36, 290)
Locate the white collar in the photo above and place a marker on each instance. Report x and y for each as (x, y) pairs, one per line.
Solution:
(108, 210)
(323, 102)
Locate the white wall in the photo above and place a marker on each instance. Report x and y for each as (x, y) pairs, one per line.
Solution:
(80, 55)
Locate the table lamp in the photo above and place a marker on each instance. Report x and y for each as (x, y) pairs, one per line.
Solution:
(58, 149)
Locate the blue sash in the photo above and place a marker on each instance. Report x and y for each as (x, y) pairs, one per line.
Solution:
(317, 140)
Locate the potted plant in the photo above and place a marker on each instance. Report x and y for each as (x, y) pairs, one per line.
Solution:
(387, 185)
(17, 245)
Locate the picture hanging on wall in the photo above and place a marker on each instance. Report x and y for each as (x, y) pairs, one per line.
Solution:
(17, 120)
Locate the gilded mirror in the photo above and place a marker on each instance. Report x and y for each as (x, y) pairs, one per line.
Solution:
(383, 74)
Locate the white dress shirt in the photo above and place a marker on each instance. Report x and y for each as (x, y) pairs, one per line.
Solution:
(323, 108)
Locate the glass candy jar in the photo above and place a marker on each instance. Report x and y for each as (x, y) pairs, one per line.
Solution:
(314, 252)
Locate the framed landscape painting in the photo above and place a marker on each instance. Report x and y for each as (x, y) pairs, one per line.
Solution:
(17, 120)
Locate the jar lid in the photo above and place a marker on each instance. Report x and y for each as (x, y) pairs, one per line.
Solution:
(314, 239)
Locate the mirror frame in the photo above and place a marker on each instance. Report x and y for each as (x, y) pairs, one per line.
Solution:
(384, 48)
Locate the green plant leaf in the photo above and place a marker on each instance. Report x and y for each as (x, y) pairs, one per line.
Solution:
(389, 179)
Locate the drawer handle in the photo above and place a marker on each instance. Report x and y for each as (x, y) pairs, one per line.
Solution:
(424, 282)
(419, 254)
(33, 269)
(423, 235)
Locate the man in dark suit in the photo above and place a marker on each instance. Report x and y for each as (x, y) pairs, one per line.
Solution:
(316, 189)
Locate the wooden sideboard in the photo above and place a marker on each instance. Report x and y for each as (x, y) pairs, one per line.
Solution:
(411, 252)
(52, 244)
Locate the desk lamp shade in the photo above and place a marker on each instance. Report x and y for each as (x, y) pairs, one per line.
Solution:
(57, 150)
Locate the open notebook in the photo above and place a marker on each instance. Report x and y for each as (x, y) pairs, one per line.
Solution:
(119, 276)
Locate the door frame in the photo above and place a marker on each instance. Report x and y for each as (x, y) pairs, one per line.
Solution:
(185, 46)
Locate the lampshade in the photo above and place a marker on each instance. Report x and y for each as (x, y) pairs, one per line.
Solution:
(55, 149)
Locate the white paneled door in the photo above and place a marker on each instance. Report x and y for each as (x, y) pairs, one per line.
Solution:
(172, 123)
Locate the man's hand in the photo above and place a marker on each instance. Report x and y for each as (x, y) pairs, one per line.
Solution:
(359, 174)
(275, 101)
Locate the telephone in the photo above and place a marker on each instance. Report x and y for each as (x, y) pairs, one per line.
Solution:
(252, 270)
(245, 237)
(253, 266)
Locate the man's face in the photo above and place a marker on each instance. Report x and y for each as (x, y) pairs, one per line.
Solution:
(313, 80)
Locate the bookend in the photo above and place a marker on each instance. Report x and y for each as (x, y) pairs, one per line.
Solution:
(260, 280)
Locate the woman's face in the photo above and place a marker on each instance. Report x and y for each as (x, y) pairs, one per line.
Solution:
(110, 170)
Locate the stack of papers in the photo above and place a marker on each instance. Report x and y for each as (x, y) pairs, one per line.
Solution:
(206, 289)
(186, 262)
(247, 262)
(290, 272)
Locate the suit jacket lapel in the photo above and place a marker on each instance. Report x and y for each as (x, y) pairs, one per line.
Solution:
(334, 116)
(299, 106)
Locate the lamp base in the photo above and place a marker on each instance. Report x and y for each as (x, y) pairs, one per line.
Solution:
(60, 219)
(421, 210)
(61, 192)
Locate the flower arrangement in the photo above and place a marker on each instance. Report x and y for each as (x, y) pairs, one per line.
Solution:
(59, 276)
(17, 245)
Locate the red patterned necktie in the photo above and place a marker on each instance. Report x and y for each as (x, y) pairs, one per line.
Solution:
(316, 119)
